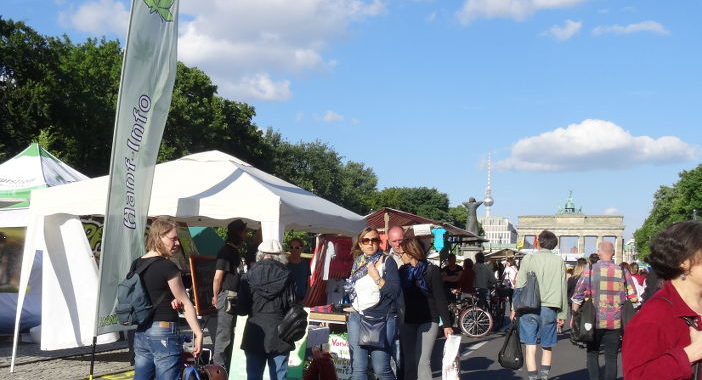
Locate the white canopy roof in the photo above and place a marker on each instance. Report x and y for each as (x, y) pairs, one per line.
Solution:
(211, 189)
(33, 168)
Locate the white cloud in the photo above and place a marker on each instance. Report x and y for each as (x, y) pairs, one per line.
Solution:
(331, 117)
(99, 17)
(644, 26)
(242, 44)
(565, 32)
(593, 144)
(258, 86)
(610, 211)
(508, 9)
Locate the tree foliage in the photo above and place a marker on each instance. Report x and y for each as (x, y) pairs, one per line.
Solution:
(671, 205)
(422, 201)
(64, 96)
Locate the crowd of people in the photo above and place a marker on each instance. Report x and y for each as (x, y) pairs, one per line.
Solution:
(400, 304)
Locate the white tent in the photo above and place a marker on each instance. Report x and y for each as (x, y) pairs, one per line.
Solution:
(33, 168)
(204, 189)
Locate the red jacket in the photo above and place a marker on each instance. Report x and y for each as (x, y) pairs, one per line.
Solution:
(654, 339)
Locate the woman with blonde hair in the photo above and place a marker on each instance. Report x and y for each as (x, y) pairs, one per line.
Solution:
(158, 346)
(373, 289)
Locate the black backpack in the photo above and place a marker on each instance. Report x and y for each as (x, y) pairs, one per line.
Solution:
(134, 306)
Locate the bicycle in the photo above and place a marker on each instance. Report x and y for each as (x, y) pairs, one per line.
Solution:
(472, 320)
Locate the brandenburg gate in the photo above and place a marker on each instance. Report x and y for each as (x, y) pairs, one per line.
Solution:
(577, 233)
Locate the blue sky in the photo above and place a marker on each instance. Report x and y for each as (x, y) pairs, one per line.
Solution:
(599, 97)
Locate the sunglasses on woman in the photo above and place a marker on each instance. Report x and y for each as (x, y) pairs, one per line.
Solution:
(370, 240)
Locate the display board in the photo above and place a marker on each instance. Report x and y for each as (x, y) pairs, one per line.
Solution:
(202, 269)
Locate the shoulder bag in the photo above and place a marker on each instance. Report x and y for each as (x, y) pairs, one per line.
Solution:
(373, 330)
(584, 320)
(527, 298)
(293, 326)
(628, 310)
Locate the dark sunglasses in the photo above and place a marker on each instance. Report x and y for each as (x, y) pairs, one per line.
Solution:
(370, 240)
(295, 247)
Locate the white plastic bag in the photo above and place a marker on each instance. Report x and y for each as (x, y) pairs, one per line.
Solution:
(449, 365)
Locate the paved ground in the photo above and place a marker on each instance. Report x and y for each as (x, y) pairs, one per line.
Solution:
(478, 361)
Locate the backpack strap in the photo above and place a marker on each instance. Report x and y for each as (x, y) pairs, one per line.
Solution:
(138, 271)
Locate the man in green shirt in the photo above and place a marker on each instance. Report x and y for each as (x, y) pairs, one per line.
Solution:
(540, 326)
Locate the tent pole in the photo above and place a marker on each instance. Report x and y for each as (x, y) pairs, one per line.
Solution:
(92, 358)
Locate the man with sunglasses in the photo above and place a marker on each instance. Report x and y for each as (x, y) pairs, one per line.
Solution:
(299, 267)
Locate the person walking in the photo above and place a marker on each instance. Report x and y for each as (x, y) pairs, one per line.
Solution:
(267, 292)
(426, 305)
(663, 340)
(225, 286)
(373, 288)
(540, 326)
(158, 347)
(484, 279)
(609, 285)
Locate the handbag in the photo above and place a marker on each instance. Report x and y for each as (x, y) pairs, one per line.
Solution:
(584, 320)
(628, 310)
(373, 332)
(527, 298)
(510, 355)
(293, 325)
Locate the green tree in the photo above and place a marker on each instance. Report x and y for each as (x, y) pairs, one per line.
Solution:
(422, 201)
(671, 205)
(28, 64)
(458, 215)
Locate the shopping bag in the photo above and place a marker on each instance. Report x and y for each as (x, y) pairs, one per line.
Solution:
(449, 364)
(584, 322)
(510, 355)
(527, 298)
(628, 312)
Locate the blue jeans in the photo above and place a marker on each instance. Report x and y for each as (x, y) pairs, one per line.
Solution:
(380, 358)
(256, 363)
(158, 352)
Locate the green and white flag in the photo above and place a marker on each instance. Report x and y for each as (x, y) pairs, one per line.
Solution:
(146, 87)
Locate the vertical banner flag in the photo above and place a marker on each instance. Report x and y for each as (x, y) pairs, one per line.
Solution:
(146, 87)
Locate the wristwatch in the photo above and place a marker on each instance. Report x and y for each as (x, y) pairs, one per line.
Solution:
(377, 282)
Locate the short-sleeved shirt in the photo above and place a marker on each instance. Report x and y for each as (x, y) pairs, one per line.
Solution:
(155, 279)
(228, 260)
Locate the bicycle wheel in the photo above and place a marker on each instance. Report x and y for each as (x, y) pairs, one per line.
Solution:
(475, 322)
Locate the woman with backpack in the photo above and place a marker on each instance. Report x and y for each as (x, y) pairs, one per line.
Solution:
(373, 289)
(425, 302)
(158, 346)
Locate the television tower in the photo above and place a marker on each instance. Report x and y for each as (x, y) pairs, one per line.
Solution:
(488, 201)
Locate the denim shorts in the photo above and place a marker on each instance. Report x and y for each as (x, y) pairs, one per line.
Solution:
(539, 328)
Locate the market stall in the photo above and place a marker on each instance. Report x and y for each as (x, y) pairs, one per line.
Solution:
(203, 189)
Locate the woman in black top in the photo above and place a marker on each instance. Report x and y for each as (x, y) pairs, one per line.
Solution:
(425, 302)
(158, 347)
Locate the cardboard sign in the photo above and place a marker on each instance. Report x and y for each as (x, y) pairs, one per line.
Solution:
(202, 270)
(341, 355)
